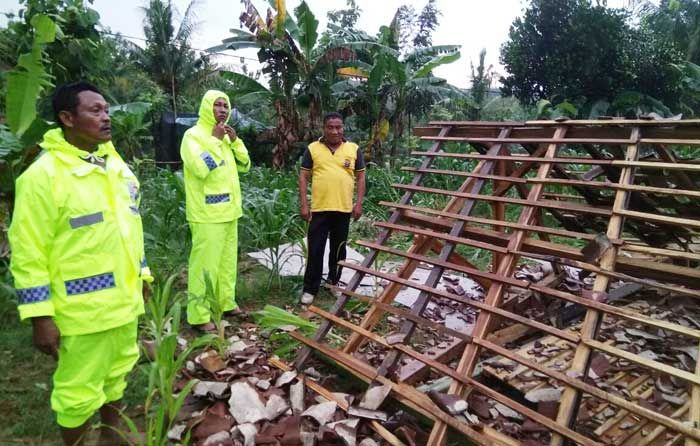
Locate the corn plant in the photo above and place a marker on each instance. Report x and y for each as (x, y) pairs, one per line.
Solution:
(166, 233)
(278, 321)
(163, 319)
(270, 221)
(211, 297)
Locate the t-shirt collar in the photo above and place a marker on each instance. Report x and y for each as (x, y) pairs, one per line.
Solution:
(322, 140)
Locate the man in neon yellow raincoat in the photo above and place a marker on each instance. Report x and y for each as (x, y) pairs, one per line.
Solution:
(213, 156)
(78, 261)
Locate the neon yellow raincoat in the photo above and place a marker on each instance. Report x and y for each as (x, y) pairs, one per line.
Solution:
(77, 239)
(213, 206)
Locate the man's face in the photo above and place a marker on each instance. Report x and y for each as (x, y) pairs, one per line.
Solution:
(90, 122)
(221, 110)
(333, 131)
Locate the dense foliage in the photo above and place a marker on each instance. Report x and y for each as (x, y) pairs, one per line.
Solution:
(580, 51)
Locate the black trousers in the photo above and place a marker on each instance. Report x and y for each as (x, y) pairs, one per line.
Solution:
(324, 225)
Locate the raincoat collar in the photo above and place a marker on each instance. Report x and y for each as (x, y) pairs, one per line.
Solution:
(206, 109)
(55, 141)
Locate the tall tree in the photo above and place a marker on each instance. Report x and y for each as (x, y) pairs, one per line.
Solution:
(679, 21)
(405, 23)
(482, 77)
(168, 56)
(345, 18)
(578, 50)
(427, 22)
(415, 30)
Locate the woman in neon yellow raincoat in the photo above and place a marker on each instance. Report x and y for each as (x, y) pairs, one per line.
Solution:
(213, 156)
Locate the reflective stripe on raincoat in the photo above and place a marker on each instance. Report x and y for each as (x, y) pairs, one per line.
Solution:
(77, 239)
(213, 193)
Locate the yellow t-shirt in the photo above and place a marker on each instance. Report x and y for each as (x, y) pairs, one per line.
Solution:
(332, 175)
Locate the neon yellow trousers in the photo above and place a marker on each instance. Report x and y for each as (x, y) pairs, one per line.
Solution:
(92, 371)
(214, 253)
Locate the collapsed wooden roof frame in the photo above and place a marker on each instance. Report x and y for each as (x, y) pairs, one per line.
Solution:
(441, 231)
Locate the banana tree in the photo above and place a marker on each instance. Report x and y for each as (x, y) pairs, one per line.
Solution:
(396, 88)
(300, 68)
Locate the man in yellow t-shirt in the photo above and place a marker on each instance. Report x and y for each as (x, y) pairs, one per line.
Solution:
(331, 163)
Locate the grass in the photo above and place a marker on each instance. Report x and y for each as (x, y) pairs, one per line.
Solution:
(25, 387)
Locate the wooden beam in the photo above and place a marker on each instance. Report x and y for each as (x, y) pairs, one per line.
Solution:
(419, 305)
(661, 252)
(526, 140)
(350, 326)
(620, 276)
(420, 245)
(615, 186)
(563, 334)
(684, 142)
(566, 160)
(593, 390)
(492, 222)
(515, 158)
(647, 268)
(659, 430)
(658, 218)
(565, 206)
(648, 363)
(402, 393)
(619, 122)
(694, 412)
(501, 398)
(496, 124)
(441, 236)
(470, 271)
(460, 173)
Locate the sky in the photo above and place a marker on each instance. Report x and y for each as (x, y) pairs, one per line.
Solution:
(473, 24)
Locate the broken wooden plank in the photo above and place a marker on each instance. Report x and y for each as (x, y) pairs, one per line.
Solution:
(401, 392)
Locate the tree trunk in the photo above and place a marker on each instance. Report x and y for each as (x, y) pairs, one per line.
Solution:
(172, 92)
(286, 133)
(396, 135)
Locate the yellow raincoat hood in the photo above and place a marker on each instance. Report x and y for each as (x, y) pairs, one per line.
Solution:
(206, 109)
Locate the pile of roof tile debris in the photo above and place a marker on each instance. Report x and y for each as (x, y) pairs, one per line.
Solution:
(242, 399)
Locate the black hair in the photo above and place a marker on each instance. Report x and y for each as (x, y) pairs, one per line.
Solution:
(65, 98)
(331, 115)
